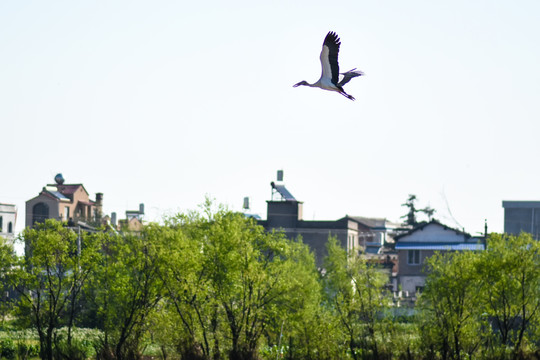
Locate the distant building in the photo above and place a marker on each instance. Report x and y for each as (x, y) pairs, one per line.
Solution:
(133, 221)
(355, 234)
(64, 202)
(284, 212)
(522, 216)
(8, 218)
(380, 235)
(417, 245)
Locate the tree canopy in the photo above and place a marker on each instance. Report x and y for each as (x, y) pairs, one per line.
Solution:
(212, 284)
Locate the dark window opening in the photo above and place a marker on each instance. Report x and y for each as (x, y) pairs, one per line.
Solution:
(40, 213)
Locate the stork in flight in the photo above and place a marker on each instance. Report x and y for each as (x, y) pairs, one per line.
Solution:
(330, 68)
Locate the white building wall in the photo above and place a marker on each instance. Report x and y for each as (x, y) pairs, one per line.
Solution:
(8, 214)
(433, 233)
(411, 283)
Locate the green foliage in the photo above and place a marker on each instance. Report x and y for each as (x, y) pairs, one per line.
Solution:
(316, 334)
(27, 351)
(8, 349)
(450, 302)
(230, 282)
(214, 285)
(126, 288)
(26, 343)
(8, 260)
(81, 346)
(401, 339)
(510, 270)
(50, 278)
(483, 304)
(355, 291)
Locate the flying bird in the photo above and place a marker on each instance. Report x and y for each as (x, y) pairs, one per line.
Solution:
(330, 68)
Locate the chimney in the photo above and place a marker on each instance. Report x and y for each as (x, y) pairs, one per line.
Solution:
(113, 219)
(99, 205)
(141, 209)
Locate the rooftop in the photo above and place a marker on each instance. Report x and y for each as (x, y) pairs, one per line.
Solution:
(440, 246)
(375, 223)
(520, 204)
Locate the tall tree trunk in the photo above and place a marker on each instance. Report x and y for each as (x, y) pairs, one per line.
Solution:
(49, 344)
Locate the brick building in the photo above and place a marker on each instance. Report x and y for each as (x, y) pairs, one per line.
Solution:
(64, 202)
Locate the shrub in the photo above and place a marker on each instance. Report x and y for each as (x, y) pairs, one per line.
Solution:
(75, 351)
(7, 349)
(26, 351)
(81, 347)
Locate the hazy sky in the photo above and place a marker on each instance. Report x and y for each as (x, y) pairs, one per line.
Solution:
(164, 102)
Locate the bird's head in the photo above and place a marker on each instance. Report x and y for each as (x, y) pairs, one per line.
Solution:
(303, 82)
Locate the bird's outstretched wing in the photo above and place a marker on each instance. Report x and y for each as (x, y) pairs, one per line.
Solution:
(329, 57)
(347, 76)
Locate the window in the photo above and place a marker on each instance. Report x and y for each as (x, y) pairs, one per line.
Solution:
(413, 257)
(66, 213)
(1, 224)
(40, 213)
(10, 227)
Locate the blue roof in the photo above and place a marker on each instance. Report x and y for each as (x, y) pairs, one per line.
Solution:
(440, 246)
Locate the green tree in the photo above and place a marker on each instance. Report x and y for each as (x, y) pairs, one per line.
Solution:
(355, 290)
(189, 289)
(254, 274)
(127, 288)
(451, 321)
(510, 270)
(50, 278)
(8, 259)
(230, 282)
(315, 333)
(298, 322)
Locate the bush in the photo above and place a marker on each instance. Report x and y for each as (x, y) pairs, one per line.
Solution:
(82, 344)
(7, 349)
(76, 351)
(26, 351)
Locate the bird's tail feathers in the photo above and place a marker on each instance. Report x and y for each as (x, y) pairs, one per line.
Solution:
(353, 73)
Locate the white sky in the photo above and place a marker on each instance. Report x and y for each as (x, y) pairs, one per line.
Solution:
(162, 102)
